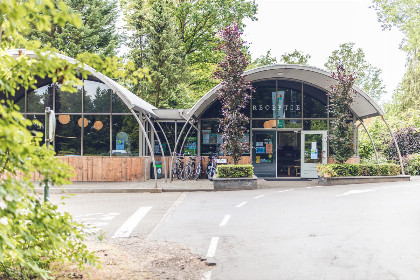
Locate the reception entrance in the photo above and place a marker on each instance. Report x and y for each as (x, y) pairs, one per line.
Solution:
(264, 153)
(288, 154)
(314, 147)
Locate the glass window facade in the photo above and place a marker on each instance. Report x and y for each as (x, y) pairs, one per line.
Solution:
(280, 105)
(90, 121)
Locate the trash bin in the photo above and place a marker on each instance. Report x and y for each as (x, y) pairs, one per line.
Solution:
(158, 170)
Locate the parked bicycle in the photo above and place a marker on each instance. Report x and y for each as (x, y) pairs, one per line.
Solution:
(189, 169)
(211, 167)
(178, 166)
(199, 168)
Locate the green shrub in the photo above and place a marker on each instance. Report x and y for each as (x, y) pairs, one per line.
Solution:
(235, 171)
(412, 164)
(343, 170)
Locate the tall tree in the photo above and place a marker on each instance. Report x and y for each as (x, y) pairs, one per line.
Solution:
(263, 60)
(354, 60)
(405, 16)
(164, 55)
(341, 140)
(234, 94)
(98, 33)
(197, 22)
(296, 57)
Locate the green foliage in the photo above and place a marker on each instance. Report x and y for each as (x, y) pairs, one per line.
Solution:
(412, 164)
(341, 139)
(347, 169)
(296, 57)
(33, 234)
(235, 171)
(97, 33)
(164, 55)
(405, 16)
(234, 93)
(196, 24)
(368, 76)
(263, 60)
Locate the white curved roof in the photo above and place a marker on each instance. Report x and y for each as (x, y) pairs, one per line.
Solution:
(130, 99)
(363, 106)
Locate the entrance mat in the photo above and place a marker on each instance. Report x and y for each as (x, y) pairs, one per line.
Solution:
(285, 179)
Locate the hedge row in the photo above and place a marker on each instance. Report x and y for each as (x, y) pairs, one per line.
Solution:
(235, 171)
(342, 170)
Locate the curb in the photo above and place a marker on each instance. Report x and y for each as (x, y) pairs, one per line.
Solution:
(120, 190)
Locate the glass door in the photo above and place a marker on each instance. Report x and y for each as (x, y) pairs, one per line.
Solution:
(314, 152)
(264, 153)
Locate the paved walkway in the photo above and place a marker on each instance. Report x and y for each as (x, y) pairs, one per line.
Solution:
(176, 185)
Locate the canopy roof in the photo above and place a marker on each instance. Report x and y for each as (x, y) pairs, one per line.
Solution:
(130, 99)
(363, 106)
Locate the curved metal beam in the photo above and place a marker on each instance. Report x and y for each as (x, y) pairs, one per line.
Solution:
(169, 146)
(160, 145)
(371, 140)
(176, 145)
(396, 145)
(148, 144)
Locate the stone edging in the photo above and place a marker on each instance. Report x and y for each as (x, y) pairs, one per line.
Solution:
(360, 180)
(242, 183)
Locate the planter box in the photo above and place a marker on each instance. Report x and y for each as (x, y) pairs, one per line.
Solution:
(360, 180)
(229, 184)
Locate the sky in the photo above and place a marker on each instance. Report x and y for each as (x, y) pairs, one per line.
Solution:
(319, 27)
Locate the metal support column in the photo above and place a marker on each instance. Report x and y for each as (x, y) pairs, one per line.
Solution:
(148, 144)
(396, 145)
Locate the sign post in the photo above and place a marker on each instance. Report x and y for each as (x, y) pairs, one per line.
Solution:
(50, 124)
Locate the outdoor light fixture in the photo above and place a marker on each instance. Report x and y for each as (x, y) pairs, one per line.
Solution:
(85, 122)
(98, 125)
(64, 119)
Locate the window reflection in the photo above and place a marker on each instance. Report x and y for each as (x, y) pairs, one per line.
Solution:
(96, 136)
(39, 99)
(125, 136)
(68, 102)
(68, 137)
(97, 97)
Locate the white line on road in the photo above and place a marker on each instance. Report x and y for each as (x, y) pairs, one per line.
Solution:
(241, 204)
(206, 275)
(212, 248)
(225, 220)
(126, 229)
(286, 190)
(260, 196)
(355, 192)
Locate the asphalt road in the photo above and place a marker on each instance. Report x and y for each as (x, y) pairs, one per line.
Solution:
(369, 231)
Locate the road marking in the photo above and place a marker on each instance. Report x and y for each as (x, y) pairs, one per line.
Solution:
(355, 192)
(167, 215)
(286, 190)
(206, 275)
(241, 204)
(126, 229)
(212, 248)
(260, 196)
(225, 220)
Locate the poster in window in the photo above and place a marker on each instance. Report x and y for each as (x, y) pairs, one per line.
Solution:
(269, 148)
(260, 150)
(259, 144)
(314, 153)
(206, 138)
(213, 139)
(257, 159)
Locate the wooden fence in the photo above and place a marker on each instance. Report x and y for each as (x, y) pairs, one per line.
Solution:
(108, 169)
(119, 169)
